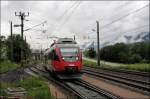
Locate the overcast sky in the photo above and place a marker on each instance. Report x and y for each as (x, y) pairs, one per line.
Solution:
(69, 18)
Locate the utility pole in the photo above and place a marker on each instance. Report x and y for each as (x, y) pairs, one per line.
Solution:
(41, 52)
(98, 52)
(25, 49)
(22, 16)
(74, 37)
(25, 39)
(11, 45)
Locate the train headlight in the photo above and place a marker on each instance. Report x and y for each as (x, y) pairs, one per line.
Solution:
(76, 58)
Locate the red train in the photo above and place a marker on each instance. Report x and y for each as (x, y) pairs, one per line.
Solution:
(64, 58)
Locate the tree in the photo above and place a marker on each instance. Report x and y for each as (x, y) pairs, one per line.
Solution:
(123, 57)
(135, 58)
(17, 44)
(142, 49)
(2, 47)
(90, 53)
(116, 53)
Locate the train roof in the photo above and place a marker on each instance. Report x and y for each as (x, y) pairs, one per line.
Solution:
(67, 45)
(62, 42)
(66, 41)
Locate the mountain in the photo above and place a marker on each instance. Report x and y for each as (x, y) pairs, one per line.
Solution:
(125, 38)
(133, 37)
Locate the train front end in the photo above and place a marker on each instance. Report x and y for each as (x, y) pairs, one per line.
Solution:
(70, 60)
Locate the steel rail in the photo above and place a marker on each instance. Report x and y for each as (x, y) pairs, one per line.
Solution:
(68, 86)
(55, 81)
(132, 72)
(119, 75)
(120, 80)
(102, 91)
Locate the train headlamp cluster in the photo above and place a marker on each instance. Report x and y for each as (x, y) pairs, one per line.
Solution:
(76, 58)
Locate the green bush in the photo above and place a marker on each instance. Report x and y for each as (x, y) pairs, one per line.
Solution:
(90, 53)
(36, 88)
(135, 58)
(18, 46)
(7, 65)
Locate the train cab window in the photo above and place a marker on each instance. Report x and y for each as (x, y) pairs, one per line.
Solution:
(69, 54)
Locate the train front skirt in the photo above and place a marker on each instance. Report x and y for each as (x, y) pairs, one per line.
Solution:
(70, 76)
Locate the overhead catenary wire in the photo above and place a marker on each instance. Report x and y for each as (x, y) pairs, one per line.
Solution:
(126, 15)
(64, 14)
(67, 18)
(123, 5)
(127, 31)
(134, 29)
(122, 17)
(35, 26)
(67, 11)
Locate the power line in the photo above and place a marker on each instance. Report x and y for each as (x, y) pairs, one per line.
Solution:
(124, 16)
(72, 7)
(35, 26)
(127, 31)
(71, 13)
(73, 10)
(65, 12)
(134, 29)
(120, 7)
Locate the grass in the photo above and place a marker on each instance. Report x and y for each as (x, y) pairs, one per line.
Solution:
(144, 67)
(3, 86)
(35, 87)
(94, 64)
(89, 63)
(7, 66)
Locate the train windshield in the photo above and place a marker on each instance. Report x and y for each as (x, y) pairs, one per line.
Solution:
(69, 54)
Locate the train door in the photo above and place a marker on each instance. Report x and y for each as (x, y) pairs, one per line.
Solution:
(55, 58)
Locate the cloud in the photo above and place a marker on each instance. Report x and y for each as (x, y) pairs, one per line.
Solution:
(68, 18)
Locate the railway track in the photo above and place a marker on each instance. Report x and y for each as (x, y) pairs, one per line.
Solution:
(80, 88)
(132, 80)
(133, 73)
(87, 91)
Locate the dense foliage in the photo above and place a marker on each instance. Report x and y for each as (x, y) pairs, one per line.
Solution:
(7, 65)
(17, 43)
(127, 53)
(90, 53)
(2, 47)
(35, 87)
